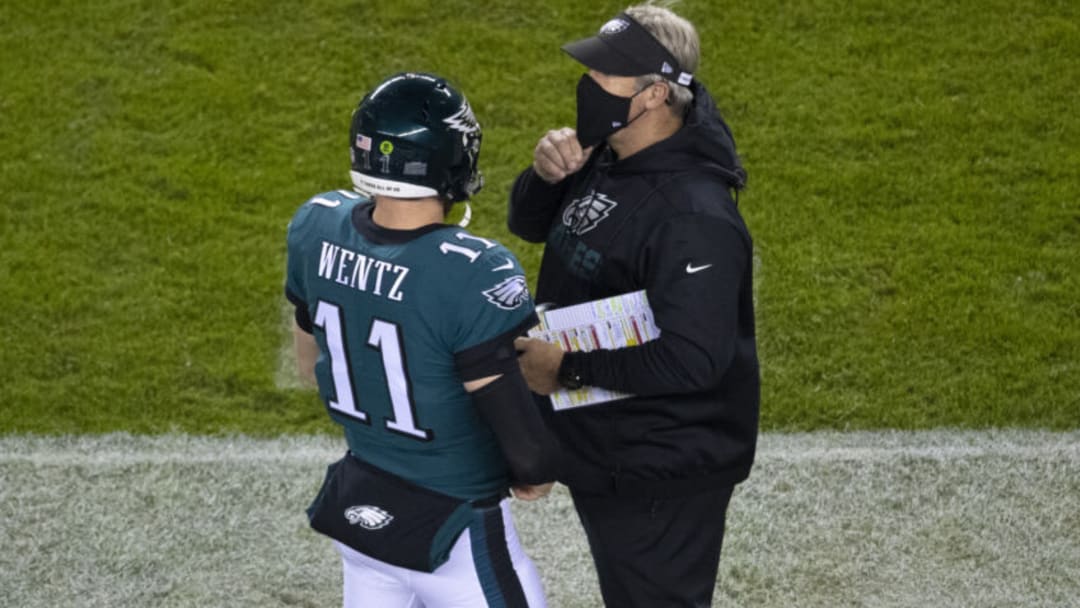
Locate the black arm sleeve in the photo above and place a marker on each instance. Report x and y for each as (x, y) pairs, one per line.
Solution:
(533, 205)
(492, 357)
(529, 447)
(303, 319)
(705, 317)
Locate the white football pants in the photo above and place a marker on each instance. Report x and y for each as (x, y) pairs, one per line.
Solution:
(487, 568)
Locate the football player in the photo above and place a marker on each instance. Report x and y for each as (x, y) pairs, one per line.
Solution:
(407, 325)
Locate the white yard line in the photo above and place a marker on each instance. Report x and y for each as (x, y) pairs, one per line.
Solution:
(123, 449)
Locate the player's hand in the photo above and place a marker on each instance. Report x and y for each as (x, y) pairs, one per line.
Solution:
(539, 363)
(559, 154)
(532, 492)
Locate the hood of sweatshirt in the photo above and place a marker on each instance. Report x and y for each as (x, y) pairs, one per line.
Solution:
(704, 142)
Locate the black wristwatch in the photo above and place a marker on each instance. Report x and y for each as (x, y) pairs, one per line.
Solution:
(568, 375)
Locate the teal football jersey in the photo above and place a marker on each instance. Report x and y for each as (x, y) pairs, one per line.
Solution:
(392, 312)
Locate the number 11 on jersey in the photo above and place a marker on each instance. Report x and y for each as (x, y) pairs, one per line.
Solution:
(385, 338)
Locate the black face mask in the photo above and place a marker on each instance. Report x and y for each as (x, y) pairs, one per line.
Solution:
(599, 113)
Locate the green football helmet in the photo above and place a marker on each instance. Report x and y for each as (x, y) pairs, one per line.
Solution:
(415, 136)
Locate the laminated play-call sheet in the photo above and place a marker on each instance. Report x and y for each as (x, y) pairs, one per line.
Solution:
(615, 322)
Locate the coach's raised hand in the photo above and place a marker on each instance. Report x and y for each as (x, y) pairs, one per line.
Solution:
(558, 154)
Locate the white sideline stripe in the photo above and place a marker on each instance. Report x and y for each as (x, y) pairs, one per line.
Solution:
(122, 449)
(133, 458)
(1068, 452)
(119, 449)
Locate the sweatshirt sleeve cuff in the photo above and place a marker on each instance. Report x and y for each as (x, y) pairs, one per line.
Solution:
(579, 362)
(536, 184)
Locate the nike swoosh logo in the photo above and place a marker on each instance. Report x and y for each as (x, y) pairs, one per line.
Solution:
(507, 266)
(692, 269)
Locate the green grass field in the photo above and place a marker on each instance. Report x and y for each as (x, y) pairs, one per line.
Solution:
(914, 175)
(914, 184)
(914, 166)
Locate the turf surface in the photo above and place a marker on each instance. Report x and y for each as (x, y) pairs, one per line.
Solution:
(914, 176)
(827, 520)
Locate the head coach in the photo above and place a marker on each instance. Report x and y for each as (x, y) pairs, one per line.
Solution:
(641, 195)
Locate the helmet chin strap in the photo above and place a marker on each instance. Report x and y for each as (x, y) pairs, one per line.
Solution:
(465, 219)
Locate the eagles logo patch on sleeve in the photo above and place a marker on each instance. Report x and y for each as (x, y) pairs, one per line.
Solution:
(508, 294)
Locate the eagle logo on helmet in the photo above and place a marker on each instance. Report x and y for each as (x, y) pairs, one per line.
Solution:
(509, 294)
(368, 517)
(463, 121)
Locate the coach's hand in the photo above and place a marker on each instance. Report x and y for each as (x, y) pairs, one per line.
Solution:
(559, 154)
(539, 363)
(532, 492)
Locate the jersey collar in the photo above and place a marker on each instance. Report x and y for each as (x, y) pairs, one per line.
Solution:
(361, 220)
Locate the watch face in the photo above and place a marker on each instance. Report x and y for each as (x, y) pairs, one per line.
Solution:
(569, 378)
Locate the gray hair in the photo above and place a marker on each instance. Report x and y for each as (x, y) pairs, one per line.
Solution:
(680, 39)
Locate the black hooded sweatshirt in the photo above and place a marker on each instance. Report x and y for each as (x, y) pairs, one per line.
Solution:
(662, 220)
